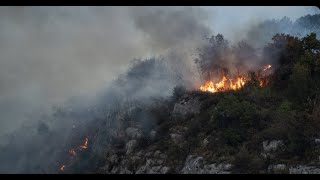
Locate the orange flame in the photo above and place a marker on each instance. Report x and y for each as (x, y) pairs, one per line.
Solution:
(224, 84)
(261, 83)
(72, 152)
(62, 168)
(85, 145)
(267, 67)
(232, 84)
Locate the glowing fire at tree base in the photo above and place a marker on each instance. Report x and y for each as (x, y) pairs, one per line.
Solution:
(231, 83)
(224, 84)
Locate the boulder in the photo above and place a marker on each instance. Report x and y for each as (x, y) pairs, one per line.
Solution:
(270, 147)
(157, 153)
(125, 171)
(302, 169)
(133, 133)
(151, 168)
(196, 165)
(186, 106)
(277, 168)
(205, 142)
(113, 159)
(164, 170)
(176, 138)
(130, 146)
(193, 165)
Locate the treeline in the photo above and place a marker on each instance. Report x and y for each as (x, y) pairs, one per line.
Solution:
(287, 109)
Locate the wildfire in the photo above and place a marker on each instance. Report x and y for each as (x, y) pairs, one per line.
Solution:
(62, 168)
(85, 145)
(267, 67)
(261, 83)
(72, 152)
(227, 83)
(224, 84)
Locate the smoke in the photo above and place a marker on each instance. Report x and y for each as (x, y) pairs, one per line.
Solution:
(77, 57)
(51, 54)
(237, 22)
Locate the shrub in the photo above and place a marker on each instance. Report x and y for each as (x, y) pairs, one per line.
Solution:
(232, 112)
(245, 162)
(298, 86)
(232, 137)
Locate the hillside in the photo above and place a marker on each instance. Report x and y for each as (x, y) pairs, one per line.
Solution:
(134, 90)
(269, 129)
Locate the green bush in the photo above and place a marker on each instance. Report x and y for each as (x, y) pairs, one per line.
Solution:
(245, 162)
(299, 82)
(232, 112)
(232, 137)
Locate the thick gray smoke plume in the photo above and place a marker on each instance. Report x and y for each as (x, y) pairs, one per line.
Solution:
(49, 54)
(55, 55)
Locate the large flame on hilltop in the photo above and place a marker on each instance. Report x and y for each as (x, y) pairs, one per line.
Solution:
(232, 83)
(224, 84)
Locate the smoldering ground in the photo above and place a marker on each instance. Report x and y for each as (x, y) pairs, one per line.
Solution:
(51, 54)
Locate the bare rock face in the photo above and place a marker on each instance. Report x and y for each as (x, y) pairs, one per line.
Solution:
(302, 169)
(269, 146)
(205, 142)
(114, 159)
(152, 167)
(125, 171)
(272, 146)
(196, 165)
(193, 165)
(155, 164)
(133, 133)
(187, 106)
(130, 146)
(176, 138)
(277, 168)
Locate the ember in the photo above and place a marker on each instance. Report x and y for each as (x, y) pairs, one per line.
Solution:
(85, 145)
(72, 152)
(267, 67)
(62, 168)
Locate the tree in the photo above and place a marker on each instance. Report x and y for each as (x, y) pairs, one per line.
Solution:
(212, 55)
(299, 83)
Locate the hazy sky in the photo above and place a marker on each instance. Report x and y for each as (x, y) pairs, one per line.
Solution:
(227, 19)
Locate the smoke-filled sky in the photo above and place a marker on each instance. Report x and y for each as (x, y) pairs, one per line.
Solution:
(49, 54)
(231, 20)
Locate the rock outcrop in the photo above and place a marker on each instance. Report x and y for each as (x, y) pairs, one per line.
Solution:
(303, 169)
(133, 133)
(270, 147)
(196, 165)
(277, 169)
(186, 106)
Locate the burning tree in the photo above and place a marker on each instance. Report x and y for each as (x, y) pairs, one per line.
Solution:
(227, 68)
